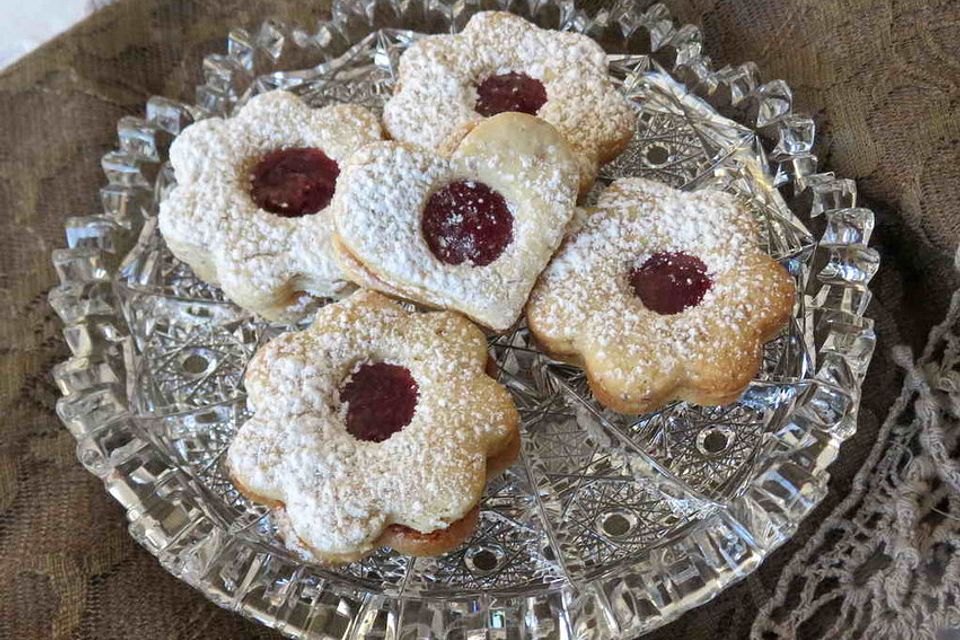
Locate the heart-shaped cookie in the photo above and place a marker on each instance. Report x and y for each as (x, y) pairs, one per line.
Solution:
(470, 232)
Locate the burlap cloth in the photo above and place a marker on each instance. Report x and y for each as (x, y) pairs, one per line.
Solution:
(881, 77)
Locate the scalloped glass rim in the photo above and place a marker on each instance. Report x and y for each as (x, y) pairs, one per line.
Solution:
(165, 504)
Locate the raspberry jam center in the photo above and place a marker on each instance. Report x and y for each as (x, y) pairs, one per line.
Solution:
(510, 92)
(381, 399)
(294, 182)
(668, 283)
(469, 221)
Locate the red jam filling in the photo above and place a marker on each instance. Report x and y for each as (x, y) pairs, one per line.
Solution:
(467, 221)
(294, 182)
(668, 283)
(381, 399)
(510, 92)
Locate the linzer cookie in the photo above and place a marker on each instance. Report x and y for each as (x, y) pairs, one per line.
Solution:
(250, 208)
(502, 63)
(469, 233)
(374, 427)
(662, 295)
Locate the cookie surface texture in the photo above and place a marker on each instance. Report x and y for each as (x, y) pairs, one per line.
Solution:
(371, 423)
(662, 295)
(501, 62)
(471, 232)
(250, 209)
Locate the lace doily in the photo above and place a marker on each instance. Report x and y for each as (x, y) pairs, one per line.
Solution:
(886, 563)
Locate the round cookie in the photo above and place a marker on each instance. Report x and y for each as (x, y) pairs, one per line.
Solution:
(499, 63)
(250, 209)
(662, 295)
(374, 426)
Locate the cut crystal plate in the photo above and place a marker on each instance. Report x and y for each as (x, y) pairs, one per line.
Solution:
(608, 525)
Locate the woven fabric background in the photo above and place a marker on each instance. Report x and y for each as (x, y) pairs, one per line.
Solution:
(882, 78)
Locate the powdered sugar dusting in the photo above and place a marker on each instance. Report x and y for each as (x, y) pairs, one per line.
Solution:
(438, 75)
(384, 188)
(584, 304)
(211, 222)
(339, 493)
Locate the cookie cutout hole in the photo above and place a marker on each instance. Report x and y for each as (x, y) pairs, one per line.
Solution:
(617, 524)
(713, 442)
(467, 221)
(512, 91)
(657, 155)
(294, 182)
(381, 399)
(484, 559)
(668, 283)
(197, 363)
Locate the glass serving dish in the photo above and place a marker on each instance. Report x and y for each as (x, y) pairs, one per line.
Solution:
(608, 525)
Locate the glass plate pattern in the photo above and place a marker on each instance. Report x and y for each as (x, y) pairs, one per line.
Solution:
(609, 525)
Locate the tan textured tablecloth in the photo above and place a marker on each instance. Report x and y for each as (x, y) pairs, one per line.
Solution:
(881, 77)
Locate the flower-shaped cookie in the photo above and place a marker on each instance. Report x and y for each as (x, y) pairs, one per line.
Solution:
(249, 210)
(498, 63)
(374, 426)
(471, 232)
(662, 295)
